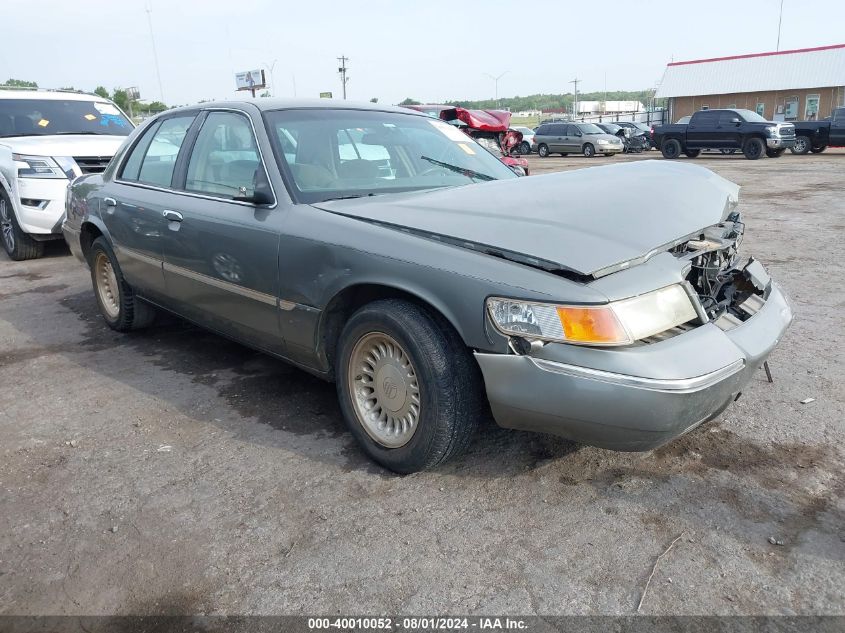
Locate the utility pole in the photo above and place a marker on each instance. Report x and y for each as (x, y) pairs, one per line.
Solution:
(149, 9)
(575, 105)
(780, 19)
(342, 70)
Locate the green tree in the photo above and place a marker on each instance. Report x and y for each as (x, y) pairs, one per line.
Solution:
(120, 99)
(20, 83)
(409, 101)
(100, 91)
(156, 106)
(374, 100)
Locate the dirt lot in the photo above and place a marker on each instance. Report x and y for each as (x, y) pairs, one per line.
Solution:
(171, 471)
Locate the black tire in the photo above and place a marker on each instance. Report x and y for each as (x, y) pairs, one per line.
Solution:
(543, 150)
(802, 145)
(818, 150)
(692, 153)
(671, 148)
(131, 312)
(451, 397)
(754, 148)
(588, 150)
(775, 153)
(18, 245)
(525, 148)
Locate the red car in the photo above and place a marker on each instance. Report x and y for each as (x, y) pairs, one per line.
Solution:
(490, 128)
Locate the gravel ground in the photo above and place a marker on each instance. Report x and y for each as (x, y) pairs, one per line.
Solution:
(170, 471)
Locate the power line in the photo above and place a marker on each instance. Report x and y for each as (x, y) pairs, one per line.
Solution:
(342, 70)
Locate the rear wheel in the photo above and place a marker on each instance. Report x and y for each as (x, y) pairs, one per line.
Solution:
(543, 150)
(589, 150)
(754, 148)
(818, 150)
(525, 147)
(802, 145)
(775, 153)
(119, 306)
(692, 153)
(409, 390)
(17, 244)
(671, 148)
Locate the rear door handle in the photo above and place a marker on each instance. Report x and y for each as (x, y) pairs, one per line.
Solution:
(172, 216)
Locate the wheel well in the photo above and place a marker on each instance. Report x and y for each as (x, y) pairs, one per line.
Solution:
(344, 304)
(87, 235)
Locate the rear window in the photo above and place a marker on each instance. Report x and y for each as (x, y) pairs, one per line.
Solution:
(47, 117)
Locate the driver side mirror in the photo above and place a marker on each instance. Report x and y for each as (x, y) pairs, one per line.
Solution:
(736, 120)
(262, 193)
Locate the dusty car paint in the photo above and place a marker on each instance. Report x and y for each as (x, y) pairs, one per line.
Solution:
(299, 267)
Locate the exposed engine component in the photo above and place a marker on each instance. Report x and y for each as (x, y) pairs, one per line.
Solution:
(730, 291)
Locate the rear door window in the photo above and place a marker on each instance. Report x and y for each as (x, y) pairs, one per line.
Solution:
(705, 117)
(153, 158)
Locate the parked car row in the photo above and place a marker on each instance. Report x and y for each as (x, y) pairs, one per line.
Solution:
(575, 138)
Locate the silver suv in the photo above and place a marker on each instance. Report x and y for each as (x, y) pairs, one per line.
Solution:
(575, 138)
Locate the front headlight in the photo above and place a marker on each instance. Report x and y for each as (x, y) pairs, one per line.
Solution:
(37, 167)
(772, 130)
(603, 141)
(616, 323)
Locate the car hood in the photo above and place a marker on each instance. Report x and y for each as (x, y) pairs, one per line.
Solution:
(70, 145)
(586, 221)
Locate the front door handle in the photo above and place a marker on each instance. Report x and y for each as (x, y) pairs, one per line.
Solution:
(172, 216)
(110, 202)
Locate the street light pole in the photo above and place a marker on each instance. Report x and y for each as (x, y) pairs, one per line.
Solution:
(575, 105)
(496, 84)
(342, 70)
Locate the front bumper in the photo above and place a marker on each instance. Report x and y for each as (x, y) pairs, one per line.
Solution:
(609, 149)
(41, 205)
(72, 237)
(663, 390)
(778, 143)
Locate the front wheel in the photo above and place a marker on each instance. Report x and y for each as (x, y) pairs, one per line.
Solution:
(754, 148)
(775, 153)
(589, 150)
(119, 306)
(409, 390)
(692, 153)
(802, 145)
(18, 245)
(818, 150)
(543, 150)
(671, 148)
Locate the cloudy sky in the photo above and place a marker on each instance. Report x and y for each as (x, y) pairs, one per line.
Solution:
(429, 50)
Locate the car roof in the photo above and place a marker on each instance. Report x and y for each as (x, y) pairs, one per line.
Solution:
(267, 104)
(50, 95)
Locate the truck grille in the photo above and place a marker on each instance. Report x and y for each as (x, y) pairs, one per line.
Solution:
(92, 164)
(787, 131)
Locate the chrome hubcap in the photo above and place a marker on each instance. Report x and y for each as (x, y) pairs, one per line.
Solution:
(6, 226)
(800, 145)
(384, 388)
(107, 286)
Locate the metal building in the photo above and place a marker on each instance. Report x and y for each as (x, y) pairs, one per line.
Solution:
(801, 84)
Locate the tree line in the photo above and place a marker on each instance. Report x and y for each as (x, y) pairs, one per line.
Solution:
(545, 102)
(118, 95)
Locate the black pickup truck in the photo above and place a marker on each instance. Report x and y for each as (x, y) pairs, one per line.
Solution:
(816, 136)
(725, 129)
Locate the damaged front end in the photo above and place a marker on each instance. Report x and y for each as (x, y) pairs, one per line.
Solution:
(730, 289)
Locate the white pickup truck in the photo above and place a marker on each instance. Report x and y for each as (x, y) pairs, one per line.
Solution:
(48, 138)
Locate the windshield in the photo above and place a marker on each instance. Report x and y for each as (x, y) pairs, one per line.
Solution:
(331, 154)
(751, 117)
(589, 128)
(45, 117)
